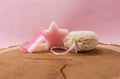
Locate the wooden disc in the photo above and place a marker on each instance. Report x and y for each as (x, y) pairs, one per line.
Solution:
(100, 63)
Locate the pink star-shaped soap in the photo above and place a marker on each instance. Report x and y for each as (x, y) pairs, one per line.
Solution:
(54, 36)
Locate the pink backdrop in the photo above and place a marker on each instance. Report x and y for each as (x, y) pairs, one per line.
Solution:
(19, 19)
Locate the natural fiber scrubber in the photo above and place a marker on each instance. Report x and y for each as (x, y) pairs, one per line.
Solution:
(83, 40)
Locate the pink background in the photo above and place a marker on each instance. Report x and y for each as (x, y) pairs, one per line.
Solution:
(19, 19)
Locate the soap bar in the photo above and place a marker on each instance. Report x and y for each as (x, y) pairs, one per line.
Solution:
(84, 40)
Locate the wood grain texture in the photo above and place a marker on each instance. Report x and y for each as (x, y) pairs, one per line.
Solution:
(100, 63)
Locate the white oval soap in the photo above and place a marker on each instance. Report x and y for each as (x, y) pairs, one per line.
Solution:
(84, 40)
